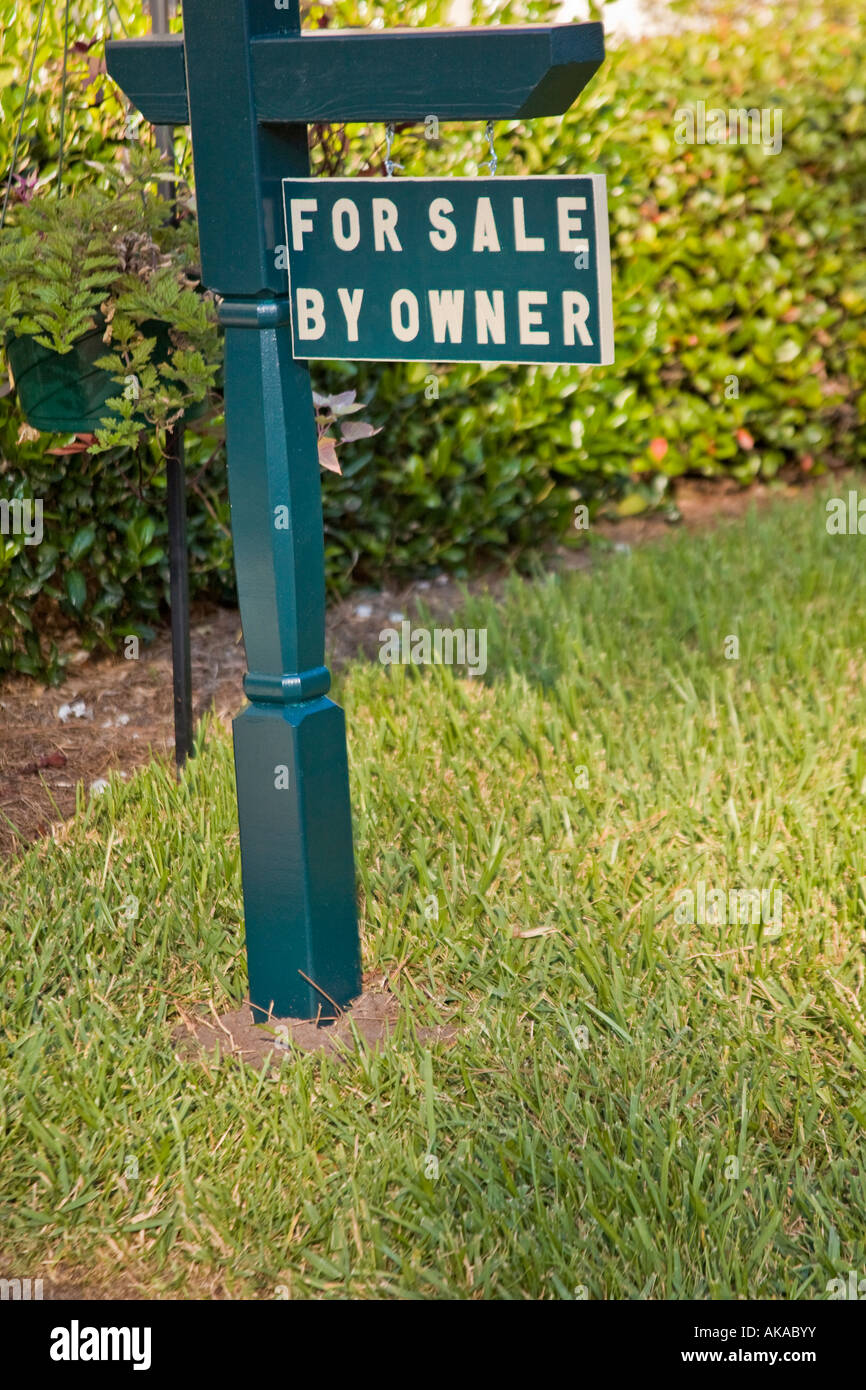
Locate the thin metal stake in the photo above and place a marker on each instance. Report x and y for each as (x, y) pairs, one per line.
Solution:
(179, 591)
(23, 114)
(181, 667)
(63, 103)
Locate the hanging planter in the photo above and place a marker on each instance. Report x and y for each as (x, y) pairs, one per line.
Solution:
(67, 393)
(106, 326)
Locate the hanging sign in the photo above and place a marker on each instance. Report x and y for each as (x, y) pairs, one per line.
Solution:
(450, 270)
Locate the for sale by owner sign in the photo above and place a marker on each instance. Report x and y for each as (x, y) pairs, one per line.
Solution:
(450, 270)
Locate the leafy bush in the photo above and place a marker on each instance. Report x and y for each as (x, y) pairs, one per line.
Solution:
(104, 557)
(740, 324)
(96, 119)
(739, 282)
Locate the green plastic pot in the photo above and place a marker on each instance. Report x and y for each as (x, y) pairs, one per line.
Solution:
(66, 393)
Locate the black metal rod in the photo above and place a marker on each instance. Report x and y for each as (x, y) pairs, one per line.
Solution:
(179, 590)
(181, 672)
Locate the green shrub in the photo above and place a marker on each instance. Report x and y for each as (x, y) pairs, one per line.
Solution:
(740, 324)
(739, 282)
(96, 116)
(104, 558)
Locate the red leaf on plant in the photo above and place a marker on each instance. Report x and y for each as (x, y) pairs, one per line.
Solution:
(328, 455)
(358, 429)
(745, 440)
(658, 448)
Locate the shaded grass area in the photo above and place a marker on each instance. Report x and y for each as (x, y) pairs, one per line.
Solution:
(634, 1106)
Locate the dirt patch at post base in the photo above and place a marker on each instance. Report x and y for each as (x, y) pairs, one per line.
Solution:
(265, 1041)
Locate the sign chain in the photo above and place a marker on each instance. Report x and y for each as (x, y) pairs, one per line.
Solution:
(493, 162)
(390, 164)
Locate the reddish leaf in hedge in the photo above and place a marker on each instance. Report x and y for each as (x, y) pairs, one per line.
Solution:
(53, 760)
(80, 443)
(658, 448)
(745, 440)
(47, 760)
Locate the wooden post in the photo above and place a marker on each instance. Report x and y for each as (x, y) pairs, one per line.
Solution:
(249, 84)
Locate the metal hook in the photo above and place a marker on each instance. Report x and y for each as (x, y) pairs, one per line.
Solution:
(390, 164)
(493, 161)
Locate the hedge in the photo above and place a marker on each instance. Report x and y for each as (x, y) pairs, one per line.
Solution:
(740, 322)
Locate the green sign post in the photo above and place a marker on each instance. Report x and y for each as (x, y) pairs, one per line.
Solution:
(248, 83)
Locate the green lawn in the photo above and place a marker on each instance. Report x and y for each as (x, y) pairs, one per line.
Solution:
(606, 1074)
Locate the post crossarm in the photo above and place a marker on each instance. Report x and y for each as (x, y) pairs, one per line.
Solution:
(505, 73)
